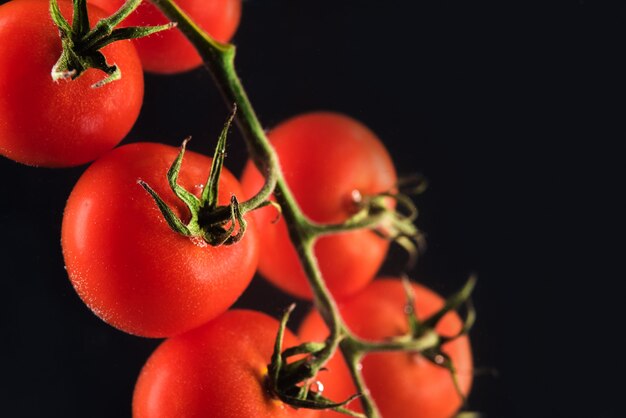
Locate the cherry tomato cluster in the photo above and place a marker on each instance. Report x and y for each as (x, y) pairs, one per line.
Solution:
(138, 275)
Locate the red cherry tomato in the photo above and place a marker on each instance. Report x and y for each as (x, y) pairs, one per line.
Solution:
(127, 264)
(169, 51)
(403, 384)
(67, 123)
(216, 371)
(326, 157)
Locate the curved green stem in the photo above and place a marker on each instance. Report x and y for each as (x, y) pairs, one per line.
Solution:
(350, 225)
(354, 365)
(219, 59)
(428, 340)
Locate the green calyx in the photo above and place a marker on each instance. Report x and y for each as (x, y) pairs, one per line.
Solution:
(393, 222)
(418, 329)
(216, 225)
(293, 382)
(81, 45)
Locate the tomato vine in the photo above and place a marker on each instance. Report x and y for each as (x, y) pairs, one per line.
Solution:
(220, 60)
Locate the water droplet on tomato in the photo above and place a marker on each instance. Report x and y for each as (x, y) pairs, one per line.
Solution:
(198, 241)
(319, 387)
(356, 196)
(352, 203)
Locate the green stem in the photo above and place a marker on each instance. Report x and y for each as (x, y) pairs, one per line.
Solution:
(354, 362)
(104, 27)
(350, 225)
(219, 59)
(428, 340)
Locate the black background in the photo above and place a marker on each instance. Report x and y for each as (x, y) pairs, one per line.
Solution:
(514, 112)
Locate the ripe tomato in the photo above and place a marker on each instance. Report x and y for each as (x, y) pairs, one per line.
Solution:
(325, 158)
(217, 371)
(169, 51)
(62, 124)
(126, 263)
(403, 384)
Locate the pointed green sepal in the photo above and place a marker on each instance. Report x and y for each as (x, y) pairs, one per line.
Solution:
(242, 224)
(275, 205)
(468, 323)
(276, 362)
(97, 60)
(190, 200)
(452, 303)
(170, 217)
(80, 22)
(58, 19)
(442, 359)
(413, 321)
(410, 248)
(131, 33)
(210, 191)
(415, 184)
(304, 348)
(104, 27)
(219, 235)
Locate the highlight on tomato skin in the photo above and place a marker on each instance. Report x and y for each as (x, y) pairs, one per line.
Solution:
(215, 371)
(126, 263)
(169, 52)
(60, 124)
(326, 157)
(403, 384)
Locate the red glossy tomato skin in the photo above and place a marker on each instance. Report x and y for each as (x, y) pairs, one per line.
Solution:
(324, 156)
(65, 123)
(215, 371)
(403, 385)
(170, 52)
(127, 264)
